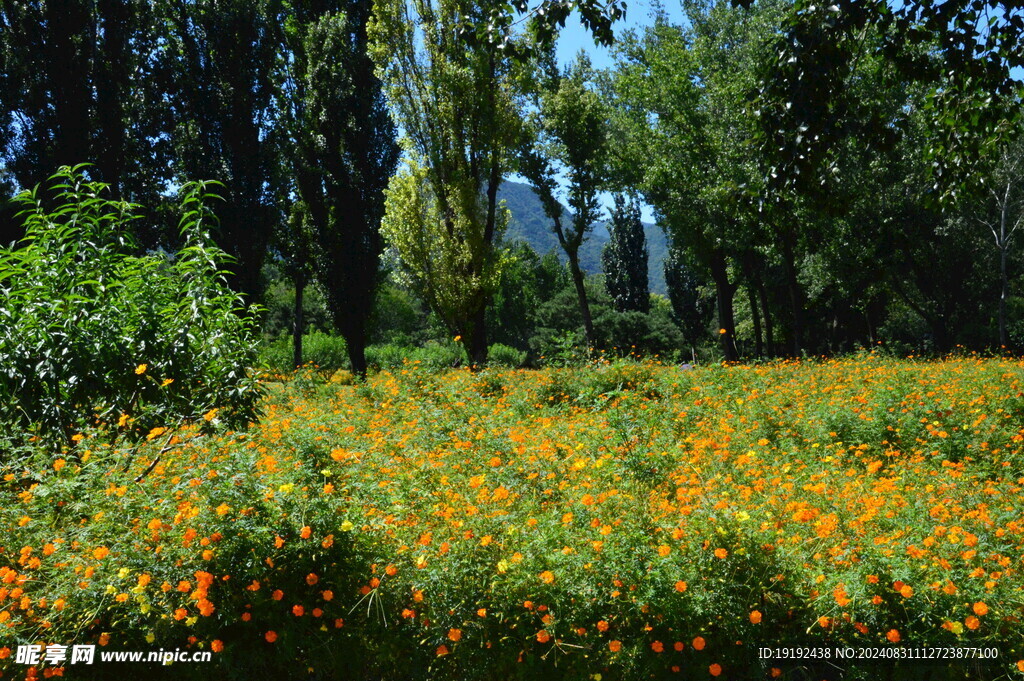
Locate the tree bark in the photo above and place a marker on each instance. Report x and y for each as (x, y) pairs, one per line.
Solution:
(793, 290)
(355, 341)
(756, 318)
(725, 291)
(298, 323)
(581, 297)
(769, 327)
(476, 344)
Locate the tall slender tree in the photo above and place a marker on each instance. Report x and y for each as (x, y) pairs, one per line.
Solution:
(625, 258)
(572, 133)
(221, 56)
(457, 101)
(78, 84)
(341, 150)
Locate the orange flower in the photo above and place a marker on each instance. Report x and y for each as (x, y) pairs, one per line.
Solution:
(100, 553)
(180, 614)
(721, 553)
(547, 577)
(305, 532)
(680, 586)
(482, 612)
(906, 591)
(454, 634)
(602, 625)
(980, 608)
(755, 617)
(216, 645)
(312, 579)
(657, 647)
(298, 610)
(615, 646)
(271, 636)
(715, 670)
(699, 643)
(664, 550)
(893, 636)
(327, 595)
(442, 650)
(543, 636)
(972, 622)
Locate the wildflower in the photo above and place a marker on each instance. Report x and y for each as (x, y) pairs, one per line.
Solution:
(615, 646)
(893, 636)
(141, 369)
(271, 636)
(699, 643)
(543, 636)
(980, 608)
(715, 670)
(721, 553)
(454, 634)
(755, 617)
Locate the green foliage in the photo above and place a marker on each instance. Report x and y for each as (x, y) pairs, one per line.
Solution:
(341, 151)
(432, 355)
(625, 258)
(279, 305)
(503, 356)
(459, 104)
(326, 352)
(93, 334)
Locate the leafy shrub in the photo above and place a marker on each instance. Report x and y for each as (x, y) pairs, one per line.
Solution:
(433, 355)
(91, 334)
(326, 352)
(504, 356)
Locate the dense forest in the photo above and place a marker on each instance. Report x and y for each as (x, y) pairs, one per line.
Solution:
(822, 178)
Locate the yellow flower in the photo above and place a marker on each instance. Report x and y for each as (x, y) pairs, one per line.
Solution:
(166, 382)
(141, 369)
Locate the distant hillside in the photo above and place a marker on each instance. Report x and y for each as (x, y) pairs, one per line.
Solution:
(529, 224)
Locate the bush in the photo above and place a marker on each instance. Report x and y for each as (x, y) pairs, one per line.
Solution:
(91, 334)
(433, 355)
(326, 352)
(504, 356)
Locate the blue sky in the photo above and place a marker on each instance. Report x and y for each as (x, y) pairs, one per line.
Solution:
(639, 13)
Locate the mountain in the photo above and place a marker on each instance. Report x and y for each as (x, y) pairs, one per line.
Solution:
(530, 224)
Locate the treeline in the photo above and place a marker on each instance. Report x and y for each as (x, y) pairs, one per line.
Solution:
(829, 176)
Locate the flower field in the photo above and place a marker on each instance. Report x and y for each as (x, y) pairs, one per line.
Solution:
(622, 521)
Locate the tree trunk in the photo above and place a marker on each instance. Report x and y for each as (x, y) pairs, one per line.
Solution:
(769, 326)
(1003, 342)
(724, 294)
(581, 296)
(298, 322)
(793, 290)
(355, 341)
(476, 343)
(1003, 281)
(756, 318)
